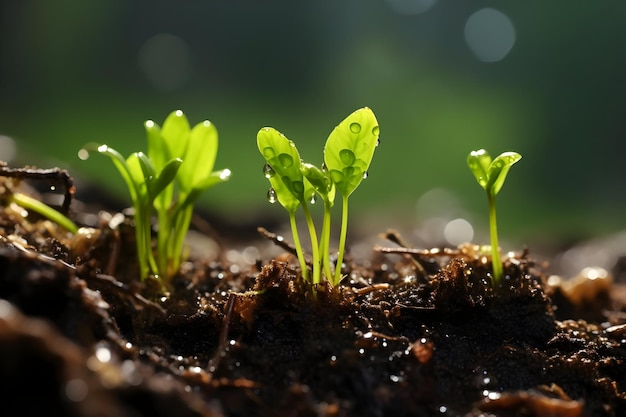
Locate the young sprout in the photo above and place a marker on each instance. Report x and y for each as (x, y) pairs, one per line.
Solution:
(197, 148)
(30, 203)
(347, 156)
(491, 174)
(289, 188)
(169, 179)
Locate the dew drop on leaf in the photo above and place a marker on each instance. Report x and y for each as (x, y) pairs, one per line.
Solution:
(365, 174)
(268, 152)
(285, 160)
(347, 156)
(268, 171)
(355, 127)
(375, 131)
(297, 186)
(313, 199)
(271, 196)
(377, 142)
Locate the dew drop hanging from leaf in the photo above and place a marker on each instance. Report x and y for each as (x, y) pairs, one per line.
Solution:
(271, 196)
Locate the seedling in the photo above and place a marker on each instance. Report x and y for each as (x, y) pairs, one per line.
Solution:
(491, 174)
(30, 203)
(168, 180)
(347, 155)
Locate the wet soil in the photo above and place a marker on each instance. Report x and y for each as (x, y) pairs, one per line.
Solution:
(407, 333)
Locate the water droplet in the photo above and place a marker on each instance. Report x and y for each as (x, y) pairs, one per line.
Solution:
(324, 167)
(336, 176)
(347, 156)
(271, 196)
(375, 131)
(297, 186)
(313, 199)
(377, 142)
(268, 171)
(268, 153)
(365, 174)
(285, 160)
(52, 188)
(355, 127)
(225, 174)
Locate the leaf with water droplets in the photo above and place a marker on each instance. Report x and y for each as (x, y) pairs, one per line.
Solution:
(489, 173)
(350, 148)
(499, 168)
(478, 162)
(283, 159)
(320, 180)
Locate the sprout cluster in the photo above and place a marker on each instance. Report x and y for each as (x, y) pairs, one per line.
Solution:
(167, 180)
(294, 183)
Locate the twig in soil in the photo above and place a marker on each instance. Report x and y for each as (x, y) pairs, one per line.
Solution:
(123, 289)
(277, 239)
(53, 175)
(395, 237)
(223, 340)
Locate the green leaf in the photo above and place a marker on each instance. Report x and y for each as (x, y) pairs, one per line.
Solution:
(165, 177)
(349, 149)
(175, 133)
(199, 156)
(499, 168)
(320, 181)
(136, 171)
(478, 162)
(120, 163)
(283, 160)
(283, 195)
(157, 148)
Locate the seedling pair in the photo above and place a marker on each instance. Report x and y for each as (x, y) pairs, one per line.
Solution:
(294, 183)
(168, 181)
(490, 175)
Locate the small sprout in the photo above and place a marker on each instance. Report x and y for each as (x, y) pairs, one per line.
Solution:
(347, 156)
(490, 175)
(30, 203)
(178, 167)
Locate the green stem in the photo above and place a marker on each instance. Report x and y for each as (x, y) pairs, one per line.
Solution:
(163, 239)
(181, 226)
(296, 242)
(48, 212)
(325, 241)
(342, 239)
(140, 237)
(317, 273)
(495, 247)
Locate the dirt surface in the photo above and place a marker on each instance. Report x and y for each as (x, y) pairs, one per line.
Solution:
(407, 333)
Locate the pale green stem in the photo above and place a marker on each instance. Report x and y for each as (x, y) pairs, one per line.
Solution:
(342, 239)
(48, 212)
(143, 243)
(163, 239)
(181, 226)
(325, 241)
(317, 273)
(495, 247)
(296, 242)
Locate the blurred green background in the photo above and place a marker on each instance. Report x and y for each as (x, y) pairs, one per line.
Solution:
(545, 79)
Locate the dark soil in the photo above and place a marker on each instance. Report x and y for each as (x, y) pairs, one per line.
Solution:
(414, 333)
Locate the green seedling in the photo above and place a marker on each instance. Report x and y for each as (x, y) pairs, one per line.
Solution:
(30, 203)
(347, 155)
(490, 175)
(168, 180)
